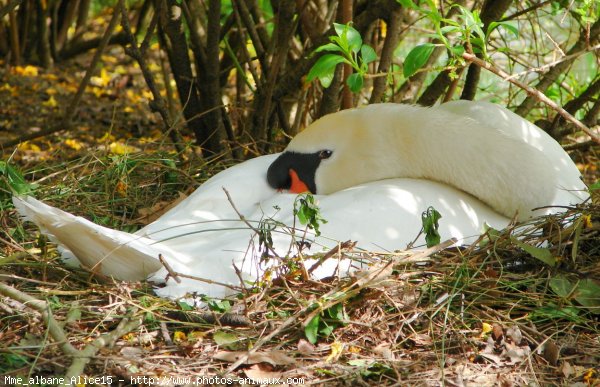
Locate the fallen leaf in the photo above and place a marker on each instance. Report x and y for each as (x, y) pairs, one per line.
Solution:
(73, 144)
(421, 339)
(51, 102)
(514, 333)
(497, 332)
(27, 71)
(259, 375)
(179, 337)
(120, 148)
(551, 352)
(305, 348)
(566, 369)
(384, 351)
(225, 339)
(336, 350)
(272, 357)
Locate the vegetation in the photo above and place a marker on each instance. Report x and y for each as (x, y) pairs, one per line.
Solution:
(114, 110)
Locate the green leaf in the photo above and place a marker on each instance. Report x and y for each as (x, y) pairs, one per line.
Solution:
(430, 220)
(595, 186)
(355, 82)
(449, 29)
(367, 54)
(308, 212)
(226, 339)
(588, 295)
(336, 312)
(561, 286)
(329, 47)
(15, 180)
(220, 306)
(324, 69)
(478, 45)
(326, 330)
(185, 306)
(417, 58)
(349, 36)
(408, 4)
(458, 50)
(312, 329)
(553, 311)
(539, 253)
(505, 24)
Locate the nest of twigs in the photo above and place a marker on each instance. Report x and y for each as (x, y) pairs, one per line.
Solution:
(516, 307)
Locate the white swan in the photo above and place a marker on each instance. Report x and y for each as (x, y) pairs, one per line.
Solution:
(345, 156)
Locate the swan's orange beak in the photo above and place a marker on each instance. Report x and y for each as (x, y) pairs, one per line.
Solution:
(297, 186)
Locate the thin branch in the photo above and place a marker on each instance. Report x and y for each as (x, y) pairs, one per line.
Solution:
(84, 356)
(12, 4)
(157, 104)
(336, 250)
(392, 38)
(370, 277)
(243, 219)
(72, 107)
(346, 17)
(585, 39)
(533, 93)
(43, 308)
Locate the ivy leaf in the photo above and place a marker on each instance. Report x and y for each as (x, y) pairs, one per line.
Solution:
(324, 69)
(355, 82)
(311, 330)
(416, 58)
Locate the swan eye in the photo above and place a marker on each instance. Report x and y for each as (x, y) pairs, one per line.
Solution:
(325, 154)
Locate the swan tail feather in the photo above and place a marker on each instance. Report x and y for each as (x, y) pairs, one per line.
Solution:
(110, 252)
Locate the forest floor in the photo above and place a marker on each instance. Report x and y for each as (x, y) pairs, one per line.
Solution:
(499, 312)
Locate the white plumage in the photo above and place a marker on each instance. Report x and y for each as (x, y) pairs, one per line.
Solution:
(203, 235)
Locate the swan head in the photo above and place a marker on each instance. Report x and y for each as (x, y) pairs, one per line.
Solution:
(338, 151)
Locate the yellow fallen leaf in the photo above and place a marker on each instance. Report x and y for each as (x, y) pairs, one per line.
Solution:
(97, 91)
(73, 144)
(486, 328)
(51, 102)
(51, 91)
(587, 221)
(128, 109)
(27, 146)
(196, 336)
(50, 77)
(336, 351)
(102, 79)
(9, 88)
(121, 189)
(107, 137)
(120, 148)
(27, 71)
(179, 337)
(109, 59)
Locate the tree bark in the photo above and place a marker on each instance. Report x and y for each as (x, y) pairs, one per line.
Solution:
(491, 10)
